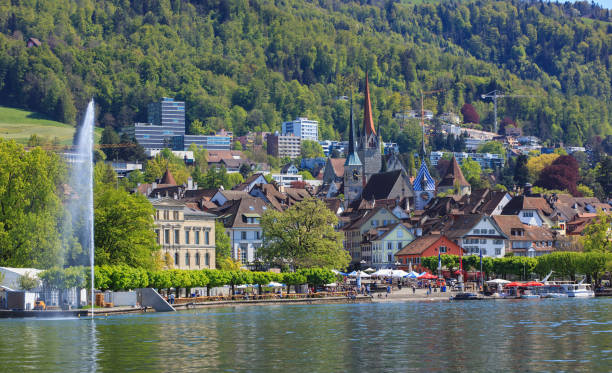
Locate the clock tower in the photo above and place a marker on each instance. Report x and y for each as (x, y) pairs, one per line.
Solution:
(353, 168)
(424, 187)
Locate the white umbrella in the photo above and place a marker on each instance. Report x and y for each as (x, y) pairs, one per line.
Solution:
(498, 281)
(369, 270)
(413, 274)
(363, 275)
(382, 273)
(398, 273)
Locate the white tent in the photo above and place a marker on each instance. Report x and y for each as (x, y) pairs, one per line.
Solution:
(412, 274)
(275, 285)
(359, 274)
(398, 273)
(369, 270)
(383, 273)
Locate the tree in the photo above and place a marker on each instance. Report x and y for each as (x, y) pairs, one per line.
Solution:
(110, 137)
(521, 171)
(603, 175)
(318, 276)
(493, 147)
(311, 149)
(469, 114)
(237, 145)
(222, 243)
(471, 171)
(303, 236)
(245, 170)
(597, 235)
(124, 229)
(31, 212)
(306, 175)
(562, 174)
(535, 165)
(28, 282)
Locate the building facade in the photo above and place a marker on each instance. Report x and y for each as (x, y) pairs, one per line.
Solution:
(284, 146)
(185, 234)
(304, 128)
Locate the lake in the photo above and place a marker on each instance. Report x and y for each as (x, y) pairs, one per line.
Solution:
(505, 335)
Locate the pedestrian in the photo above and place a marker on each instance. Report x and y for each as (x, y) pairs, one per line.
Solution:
(413, 289)
(171, 298)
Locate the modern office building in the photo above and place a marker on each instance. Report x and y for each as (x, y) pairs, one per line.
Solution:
(284, 146)
(303, 128)
(486, 160)
(169, 114)
(166, 129)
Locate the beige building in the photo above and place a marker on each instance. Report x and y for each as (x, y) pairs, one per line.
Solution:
(185, 233)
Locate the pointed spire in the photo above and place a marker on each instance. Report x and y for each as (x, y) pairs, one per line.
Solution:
(368, 123)
(352, 157)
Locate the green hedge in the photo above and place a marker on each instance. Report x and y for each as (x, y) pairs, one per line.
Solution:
(122, 277)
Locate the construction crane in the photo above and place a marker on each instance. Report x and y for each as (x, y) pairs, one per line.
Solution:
(495, 95)
(423, 93)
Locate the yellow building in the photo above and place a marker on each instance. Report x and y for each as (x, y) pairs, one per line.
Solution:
(185, 233)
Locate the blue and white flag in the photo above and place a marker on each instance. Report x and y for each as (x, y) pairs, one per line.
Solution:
(439, 261)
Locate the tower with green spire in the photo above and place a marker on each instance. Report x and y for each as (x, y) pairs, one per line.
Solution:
(353, 168)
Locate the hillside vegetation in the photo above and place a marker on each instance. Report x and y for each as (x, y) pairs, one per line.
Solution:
(249, 64)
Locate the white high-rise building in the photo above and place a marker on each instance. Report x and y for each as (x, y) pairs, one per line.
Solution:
(303, 128)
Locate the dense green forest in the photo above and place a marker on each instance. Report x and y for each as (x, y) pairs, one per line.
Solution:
(250, 64)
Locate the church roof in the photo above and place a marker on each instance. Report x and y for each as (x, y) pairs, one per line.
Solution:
(352, 158)
(453, 175)
(423, 180)
(168, 179)
(381, 185)
(368, 123)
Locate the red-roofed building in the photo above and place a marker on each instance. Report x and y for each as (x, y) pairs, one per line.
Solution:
(423, 247)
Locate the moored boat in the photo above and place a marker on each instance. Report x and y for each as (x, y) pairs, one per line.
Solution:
(579, 290)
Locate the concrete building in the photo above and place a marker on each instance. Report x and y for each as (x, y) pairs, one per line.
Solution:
(285, 180)
(304, 128)
(186, 234)
(169, 114)
(284, 146)
(486, 160)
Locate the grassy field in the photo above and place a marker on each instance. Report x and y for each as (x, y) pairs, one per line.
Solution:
(20, 124)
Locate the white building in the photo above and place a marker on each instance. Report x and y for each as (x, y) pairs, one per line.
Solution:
(304, 128)
(285, 180)
(479, 233)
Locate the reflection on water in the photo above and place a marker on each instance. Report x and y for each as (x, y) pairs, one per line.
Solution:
(539, 335)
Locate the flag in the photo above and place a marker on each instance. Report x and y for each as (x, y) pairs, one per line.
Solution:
(439, 261)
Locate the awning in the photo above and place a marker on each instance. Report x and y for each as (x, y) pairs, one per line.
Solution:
(252, 215)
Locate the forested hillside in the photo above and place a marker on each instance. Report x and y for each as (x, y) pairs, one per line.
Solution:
(249, 64)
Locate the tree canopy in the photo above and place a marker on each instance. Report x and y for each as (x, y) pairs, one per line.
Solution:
(303, 236)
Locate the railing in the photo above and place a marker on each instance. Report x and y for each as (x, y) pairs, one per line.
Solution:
(264, 297)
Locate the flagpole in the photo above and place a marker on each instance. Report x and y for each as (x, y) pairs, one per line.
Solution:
(481, 277)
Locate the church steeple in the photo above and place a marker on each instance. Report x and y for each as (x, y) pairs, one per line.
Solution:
(368, 123)
(352, 157)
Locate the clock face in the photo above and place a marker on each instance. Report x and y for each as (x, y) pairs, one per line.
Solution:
(356, 175)
(425, 196)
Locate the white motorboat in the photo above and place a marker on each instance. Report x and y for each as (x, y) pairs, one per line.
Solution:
(579, 290)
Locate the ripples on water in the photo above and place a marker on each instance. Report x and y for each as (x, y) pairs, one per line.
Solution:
(539, 335)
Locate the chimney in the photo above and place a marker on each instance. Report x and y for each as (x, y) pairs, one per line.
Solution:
(154, 185)
(195, 186)
(189, 183)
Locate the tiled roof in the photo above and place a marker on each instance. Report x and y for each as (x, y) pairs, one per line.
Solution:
(419, 245)
(381, 184)
(167, 178)
(453, 176)
(519, 203)
(338, 166)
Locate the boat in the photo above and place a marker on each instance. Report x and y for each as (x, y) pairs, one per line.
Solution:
(553, 295)
(466, 296)
(579, 290)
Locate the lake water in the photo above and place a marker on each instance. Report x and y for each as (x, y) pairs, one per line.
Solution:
(528, 335)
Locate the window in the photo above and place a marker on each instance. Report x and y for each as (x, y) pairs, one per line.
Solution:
(206, 237)
(476, 231)
(187, 260)
(167, 236)
(498, 251)
(176, 215)
(442, 249)
(197, 237)
(491, 231)
(176, 259)
(258, 235)
(389, 258)
(528, 214)
(207, 259)
(374, 223)
(186, 237)
(484, 251)
(166, 215)
(244, 256)
(399, 245)
(177, 236)
(243, 235)
(400, 233)
(389, 245)
(157, 236)
(483, 241)
(197, 259)
(498, 242)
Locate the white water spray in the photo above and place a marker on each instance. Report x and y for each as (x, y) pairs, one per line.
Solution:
(81, 180)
